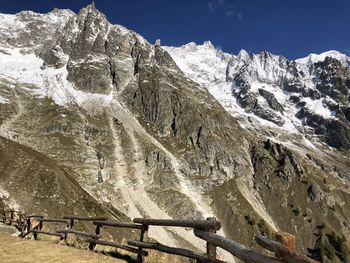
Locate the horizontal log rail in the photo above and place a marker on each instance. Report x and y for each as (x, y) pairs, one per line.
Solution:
(46, 233)
(236, 249)
(284, 248)
(79, 233)
(282, 251)
(10, 210)
(84, 218)
(34, 216)
(16, 218)
(199, 224)
(118, 224)
(15, 211)
(174, 251)
(143, 228)
(53, 220)
(116, 245)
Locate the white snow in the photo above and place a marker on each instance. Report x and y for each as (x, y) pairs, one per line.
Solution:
(27, 69)
(202, 63)
(211, 68)
(50, 82)
(10, 23)
(216, 71)
(314, 58)
(317, 107)
(280, 96)
(16, 25)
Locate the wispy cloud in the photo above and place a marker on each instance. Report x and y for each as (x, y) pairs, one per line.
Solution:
(215, 4)
(225, 6)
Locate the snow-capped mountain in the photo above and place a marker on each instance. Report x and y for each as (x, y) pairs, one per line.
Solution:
(308, 96)
(29, 30)
(96, 120)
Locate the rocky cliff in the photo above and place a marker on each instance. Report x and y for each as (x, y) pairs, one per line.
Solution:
(258, 141)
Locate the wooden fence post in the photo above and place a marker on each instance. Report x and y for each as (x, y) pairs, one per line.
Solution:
(64, 236)
(97, 232)
(23, 225)
(28, 225)
(211, 249)
(40, 226)
(3, 215)
(286, 239)
(142, 237)
(11, 216)
(71, 224)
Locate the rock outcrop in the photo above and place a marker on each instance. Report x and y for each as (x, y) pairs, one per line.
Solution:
(140, 131)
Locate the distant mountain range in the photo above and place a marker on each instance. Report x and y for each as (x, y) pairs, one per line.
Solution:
(94, 119)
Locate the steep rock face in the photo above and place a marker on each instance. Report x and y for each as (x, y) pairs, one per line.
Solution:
(32, 31)
(93, 46)
(309, 97)
(140, 137)
(183, 113)
(297, 104)
(138, 166)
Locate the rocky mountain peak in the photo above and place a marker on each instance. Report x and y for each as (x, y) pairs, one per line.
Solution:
(31, 31)
(243, 55)
(128, 127)
(270, 87)
(314, 58)
(208, 44)
(90, 12)
(91, 44)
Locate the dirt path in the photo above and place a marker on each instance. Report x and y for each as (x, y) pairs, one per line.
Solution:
(18, 250)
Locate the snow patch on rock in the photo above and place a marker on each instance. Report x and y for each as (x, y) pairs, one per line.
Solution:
(314, 58)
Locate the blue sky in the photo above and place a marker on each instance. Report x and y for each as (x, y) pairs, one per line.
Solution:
(290, 28)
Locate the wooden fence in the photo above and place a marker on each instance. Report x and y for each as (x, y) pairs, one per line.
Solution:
(283, 249)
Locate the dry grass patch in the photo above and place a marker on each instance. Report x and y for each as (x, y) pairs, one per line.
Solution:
(14, 249)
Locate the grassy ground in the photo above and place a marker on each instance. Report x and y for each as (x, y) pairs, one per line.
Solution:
(14, 249)
(18, 250)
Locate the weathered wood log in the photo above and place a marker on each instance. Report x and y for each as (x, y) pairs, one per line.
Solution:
(199, 224)
(79, 233)
(53, 220)
(287, 240)
(117, 224)
(97, 232)
(211, 249)
(116, 245)
(12, 214)
(3, 214)
(174, 251)
(85, 218)
(140, 250)
(46, 233)
(36, 227)
(238, 250)
(282, 251)
(34, 216)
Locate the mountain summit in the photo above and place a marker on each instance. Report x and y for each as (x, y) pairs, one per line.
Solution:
(94, 119)
(308, 97)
